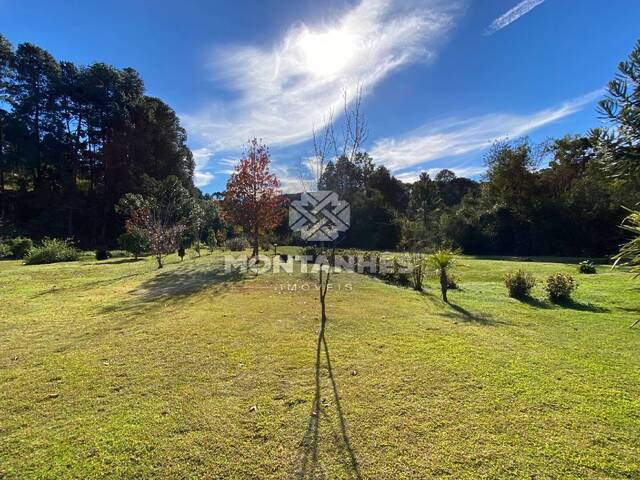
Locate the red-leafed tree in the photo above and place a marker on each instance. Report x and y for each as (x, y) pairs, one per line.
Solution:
(253, 198)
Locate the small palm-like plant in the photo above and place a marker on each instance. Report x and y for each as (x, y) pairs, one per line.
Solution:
(443, 261)
(629, 253)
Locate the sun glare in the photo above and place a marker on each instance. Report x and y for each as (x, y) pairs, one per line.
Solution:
(327, 53)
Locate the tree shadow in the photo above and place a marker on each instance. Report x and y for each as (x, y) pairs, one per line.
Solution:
(572, 304)
(534, 302)
(465, 315)
(185, 281)
(116, 262)
(583, 307)
(310, 441)
(174, 285)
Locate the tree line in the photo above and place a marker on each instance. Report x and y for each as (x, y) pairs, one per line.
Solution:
(74, 140)
(85, 154)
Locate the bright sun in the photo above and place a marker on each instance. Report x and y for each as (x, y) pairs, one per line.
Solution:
(327, 53)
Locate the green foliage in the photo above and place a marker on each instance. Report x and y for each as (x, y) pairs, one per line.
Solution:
(620, 149)
(559, 287)
(133, 243)
(20, 246)
(586, 266)
(519, 283)
(77, 138)
(52, 250)
(211, 240)
(443, 261)
(416, 262)
(5, 251)
(102, 254)
(237, 244)
(629, 254)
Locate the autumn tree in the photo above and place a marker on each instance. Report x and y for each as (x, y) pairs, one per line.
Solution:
(253, 198)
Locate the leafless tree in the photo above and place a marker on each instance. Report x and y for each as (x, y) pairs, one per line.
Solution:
(334, 141)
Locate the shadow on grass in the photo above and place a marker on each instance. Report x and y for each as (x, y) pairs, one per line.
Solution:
(535, 302)
(116, 262)
(583, 307)
(176, 284)
(465, 315)
(572, 304)
(310, 441)
(185, 281)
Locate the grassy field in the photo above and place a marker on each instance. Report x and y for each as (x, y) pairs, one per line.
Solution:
(114, 369)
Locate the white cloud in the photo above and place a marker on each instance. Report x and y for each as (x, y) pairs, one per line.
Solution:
(201, 157)
(457, 137)
(279, 94)
(512, 15)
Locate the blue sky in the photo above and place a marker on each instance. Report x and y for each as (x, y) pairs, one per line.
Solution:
(442, 78)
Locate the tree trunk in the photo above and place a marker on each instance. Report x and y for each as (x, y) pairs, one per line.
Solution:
(159, 260)
(256, 239)
(444, 284)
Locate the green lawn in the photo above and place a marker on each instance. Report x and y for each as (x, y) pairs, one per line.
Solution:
(115, 369)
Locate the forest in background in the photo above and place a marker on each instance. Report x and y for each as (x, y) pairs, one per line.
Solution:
(74, 140)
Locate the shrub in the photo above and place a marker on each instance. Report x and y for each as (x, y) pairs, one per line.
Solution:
(416, 263)
(559, 287)
(399, 272)
(102, 254)
(5, 250)
(119, 253)
(237, 244)
(586, 266)
(52, 250)
(212, 242)
(19, 246)
(519, 283)
(221, 238)
(132, 243)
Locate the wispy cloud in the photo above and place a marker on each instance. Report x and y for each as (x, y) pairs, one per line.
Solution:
(201, 176)
(450, 138)
(281, 93)
(512, 15)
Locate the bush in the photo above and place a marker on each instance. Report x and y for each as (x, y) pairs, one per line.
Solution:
(5, 250)
(19, 246)
(52, 250)
(133, 243)
(237, 244)
(519, 283)
(212, 242)
(119, 253)
(559, 287)
(102, 254)
(586, 266)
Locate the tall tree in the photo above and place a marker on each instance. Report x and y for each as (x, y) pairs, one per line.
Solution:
(253, 198)
(6, 64)
(622, 107)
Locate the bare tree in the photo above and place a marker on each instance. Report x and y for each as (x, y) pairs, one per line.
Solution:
(331, 143)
